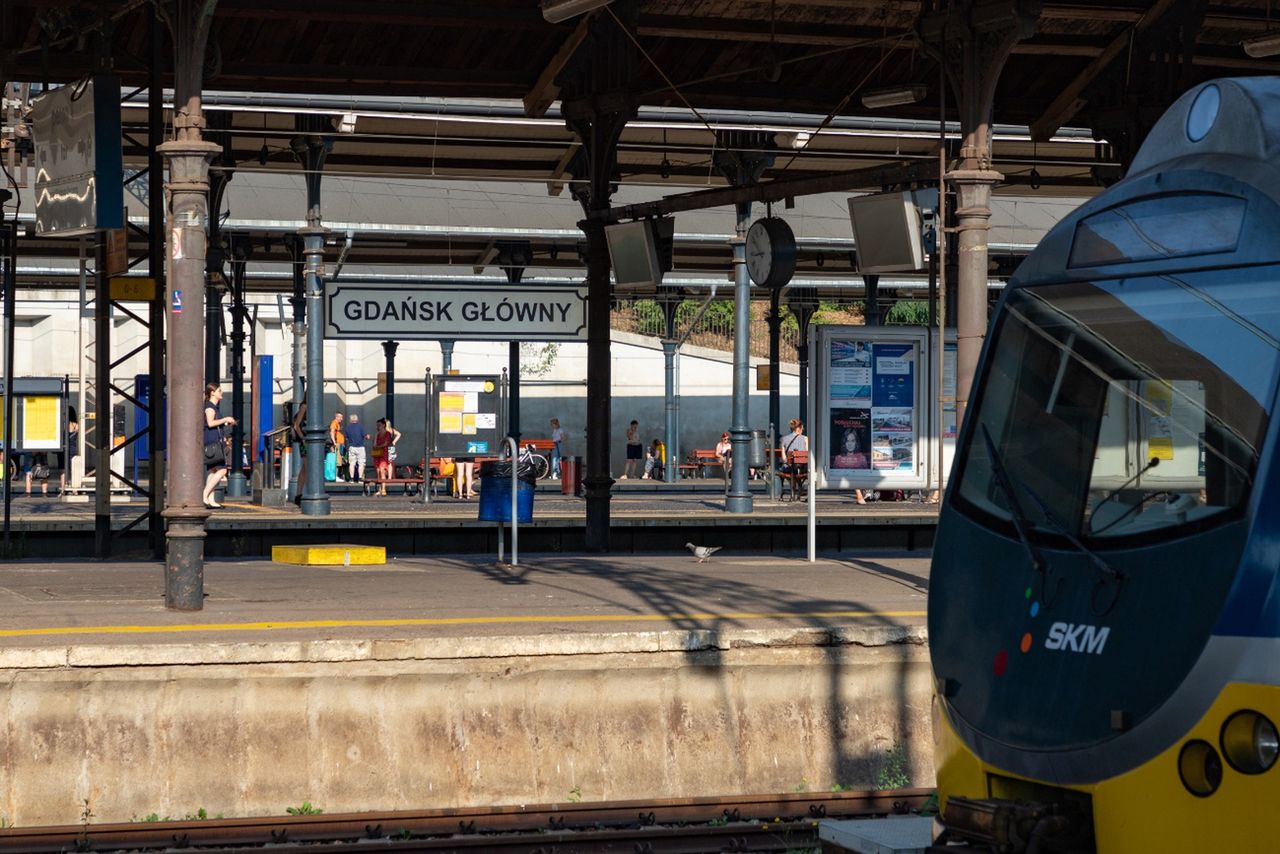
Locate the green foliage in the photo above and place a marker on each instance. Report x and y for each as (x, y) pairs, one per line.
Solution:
(912, 312)
(841, 787)
(537, 361)
(718, 822)
(802, 786)
(930, 806)
(894, 773)
(152, 817)
(648, 313)
(405, 833)
(575, 795)
(198, 815)
(305, 809)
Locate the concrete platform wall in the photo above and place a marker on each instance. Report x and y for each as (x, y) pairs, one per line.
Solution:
(251, 729)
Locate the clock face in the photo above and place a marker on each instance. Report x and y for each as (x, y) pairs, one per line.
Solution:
(759, 253)
(771, 252)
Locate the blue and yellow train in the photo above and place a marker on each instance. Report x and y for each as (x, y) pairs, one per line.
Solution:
(1104, 610)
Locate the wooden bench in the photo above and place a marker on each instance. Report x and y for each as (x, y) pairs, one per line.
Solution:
(702, 458)
(798, 473)
(542, 446)
(371, 482)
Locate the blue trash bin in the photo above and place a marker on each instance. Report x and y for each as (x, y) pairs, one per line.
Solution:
(495, 492)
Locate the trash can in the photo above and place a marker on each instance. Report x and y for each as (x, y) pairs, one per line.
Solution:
(755, 455)
(495, 491)
(570, 475)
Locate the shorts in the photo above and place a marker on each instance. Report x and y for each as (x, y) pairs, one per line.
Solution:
(635, 452)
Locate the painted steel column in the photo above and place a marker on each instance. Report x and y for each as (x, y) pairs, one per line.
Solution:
(389, 351)
(775, 359)
(311, 150)
(803, 302)
(739, 499)
(299, 304)
(513, 390)
(599, 481)
(871, 314)
(973, 223)
(212, 333)
(188, 158)
(672, 464)
(103, 425)
(446, 356)
(10, 260)
(156, 310)
(237, 483)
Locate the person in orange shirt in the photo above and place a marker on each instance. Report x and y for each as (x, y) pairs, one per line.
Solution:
(339, 442)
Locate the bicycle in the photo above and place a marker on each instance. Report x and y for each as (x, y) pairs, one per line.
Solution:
(541, 466)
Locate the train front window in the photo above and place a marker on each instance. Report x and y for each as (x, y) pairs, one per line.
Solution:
(1129, 407)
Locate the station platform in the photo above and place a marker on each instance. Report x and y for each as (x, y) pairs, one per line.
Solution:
(644, 517)
(454, 681)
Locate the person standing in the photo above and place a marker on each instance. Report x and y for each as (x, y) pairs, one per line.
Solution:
(300, 443)
(384, 450)
(557, 436)
(356, 439)
(338, 440)
(215, 453)
(635, 450)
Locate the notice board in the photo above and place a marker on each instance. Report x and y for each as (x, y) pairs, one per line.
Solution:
(467, 415)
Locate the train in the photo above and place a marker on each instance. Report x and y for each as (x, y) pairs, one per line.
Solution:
(1104, 604)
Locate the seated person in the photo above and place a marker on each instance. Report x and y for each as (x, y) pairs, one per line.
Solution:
(724, 452)
(655, 458)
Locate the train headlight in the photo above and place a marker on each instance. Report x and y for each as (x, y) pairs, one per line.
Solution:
(1250, 742)
(1200, 768)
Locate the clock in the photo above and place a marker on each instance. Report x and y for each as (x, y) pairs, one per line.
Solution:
(771, 252)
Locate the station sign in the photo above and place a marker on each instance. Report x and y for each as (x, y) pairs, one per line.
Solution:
(457, 312)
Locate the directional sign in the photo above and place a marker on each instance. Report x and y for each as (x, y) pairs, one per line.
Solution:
(429, 313)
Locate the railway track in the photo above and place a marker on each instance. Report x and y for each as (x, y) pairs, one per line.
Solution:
(743, 823)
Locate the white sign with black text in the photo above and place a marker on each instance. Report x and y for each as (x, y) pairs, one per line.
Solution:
(433, 312)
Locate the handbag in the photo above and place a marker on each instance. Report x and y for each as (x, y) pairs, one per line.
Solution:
(214, 454)
(391, 453)
(40, 471)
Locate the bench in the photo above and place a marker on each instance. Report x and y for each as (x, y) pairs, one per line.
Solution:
(798, 473)
(412, 483)
(702, 458)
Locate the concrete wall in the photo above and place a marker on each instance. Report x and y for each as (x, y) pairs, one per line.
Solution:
(250, 729)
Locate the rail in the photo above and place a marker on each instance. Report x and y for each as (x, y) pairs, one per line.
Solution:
(739, 823)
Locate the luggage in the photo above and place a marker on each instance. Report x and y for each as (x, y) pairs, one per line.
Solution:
(331, 466)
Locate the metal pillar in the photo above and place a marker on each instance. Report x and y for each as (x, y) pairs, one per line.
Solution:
(803, 302)
(220, 172)
(446, 357)
(103, 426)
(972, 43)
(156, 268)
(299, 303)
(10, 260)
(596, 108)
(188, 157)
(237, 483)
(742, 159)
(389, 351)
(671, 371)
(775, 344)
(513, 257)
(311, 149)
(871, 312)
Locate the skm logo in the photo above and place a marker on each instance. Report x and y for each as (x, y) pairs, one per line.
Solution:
(1077, 637)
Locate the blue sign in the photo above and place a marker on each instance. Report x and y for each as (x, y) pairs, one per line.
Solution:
(477, 447)
(177, 302)
(893, 369)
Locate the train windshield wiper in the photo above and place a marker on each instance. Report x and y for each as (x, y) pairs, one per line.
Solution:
(1152, 463)
(1020, 521)
(1094, 558)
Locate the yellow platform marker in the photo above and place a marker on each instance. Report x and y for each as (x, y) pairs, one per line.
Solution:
(330, 555)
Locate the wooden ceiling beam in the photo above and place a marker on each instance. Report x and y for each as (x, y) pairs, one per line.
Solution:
(545, 90)
(1069, 100)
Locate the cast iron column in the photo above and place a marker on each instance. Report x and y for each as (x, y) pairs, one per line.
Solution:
(104, 423)
(312, 149)
(237, 483)
(389, 351)
(871, 314)
(972, 43)
(803, 301)
(299, 304)
(156, 309)
(739, 499)
(775, 378)
(188, 157)
(670, 353)
(446, 357)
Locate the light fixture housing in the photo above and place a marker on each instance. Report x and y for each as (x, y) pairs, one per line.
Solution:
(1259, 47)
(894, 96)
(556, 11)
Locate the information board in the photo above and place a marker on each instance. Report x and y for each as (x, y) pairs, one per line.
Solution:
(467, 415)
(39, 413)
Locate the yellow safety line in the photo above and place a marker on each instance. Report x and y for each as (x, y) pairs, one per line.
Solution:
(441, 621)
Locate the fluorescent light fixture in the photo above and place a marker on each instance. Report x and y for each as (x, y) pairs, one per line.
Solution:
(1267, 44)
(556, 11)
(894, 96)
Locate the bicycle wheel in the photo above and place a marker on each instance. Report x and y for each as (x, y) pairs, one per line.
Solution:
(541, 468)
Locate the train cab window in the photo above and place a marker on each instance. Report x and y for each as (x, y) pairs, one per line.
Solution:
(1125, 408)
(1171, 226)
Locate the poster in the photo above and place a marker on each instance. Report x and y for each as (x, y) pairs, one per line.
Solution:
(893, 378)
(486, 421)
(40, 423)
(452, 402)
(851, 373)
(893, 437)
(450, 422)
(468, 423)
(949, 429)
(850, 439)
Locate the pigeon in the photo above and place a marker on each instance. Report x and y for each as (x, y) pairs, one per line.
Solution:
(702, 552)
